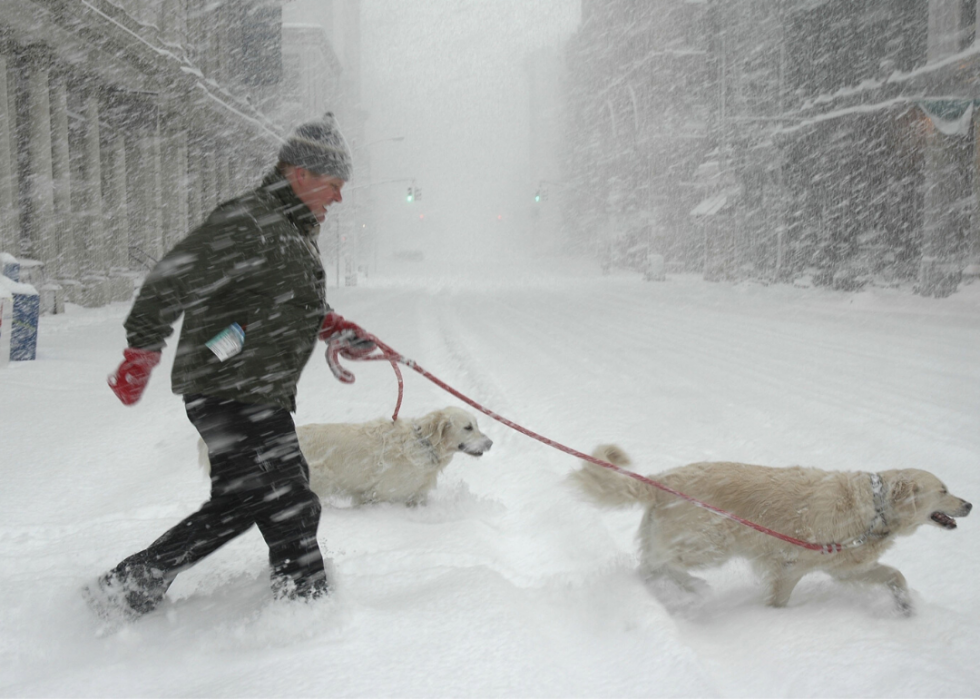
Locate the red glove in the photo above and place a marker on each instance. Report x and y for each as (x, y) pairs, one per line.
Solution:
(344, 339)
(130, 378)
(335, 327)
(335, 324)
(336, 349)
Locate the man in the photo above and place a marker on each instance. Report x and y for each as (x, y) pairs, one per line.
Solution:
(251, 287)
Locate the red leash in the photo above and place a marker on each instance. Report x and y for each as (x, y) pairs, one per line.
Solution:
(341, 349)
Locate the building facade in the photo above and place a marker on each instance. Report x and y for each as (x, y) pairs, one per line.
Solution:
(880, 164)
(123, 124)
(322, 72)
(820, 139)
(312, 74)
(637, 128)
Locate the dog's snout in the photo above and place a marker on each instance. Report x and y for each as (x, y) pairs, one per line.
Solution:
(966, 508)
(476, 448)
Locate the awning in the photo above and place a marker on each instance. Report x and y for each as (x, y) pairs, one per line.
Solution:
(710, 206)
(950, 116)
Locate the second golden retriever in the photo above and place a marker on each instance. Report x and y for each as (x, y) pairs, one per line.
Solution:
(863, 511)
(381, 460)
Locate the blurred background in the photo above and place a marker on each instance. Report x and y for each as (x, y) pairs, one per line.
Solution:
(817, 142)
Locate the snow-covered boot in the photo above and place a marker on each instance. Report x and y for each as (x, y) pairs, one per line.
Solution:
(108, 602)
(285, 587)
(125, 594)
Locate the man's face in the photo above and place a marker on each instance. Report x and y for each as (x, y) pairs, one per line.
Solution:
(316, 191)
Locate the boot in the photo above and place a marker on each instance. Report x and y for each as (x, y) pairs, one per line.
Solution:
(126, 593)
(285, 587)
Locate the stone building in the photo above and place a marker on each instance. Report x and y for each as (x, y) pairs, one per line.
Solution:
(321, 46)
(122, 124)
(881, 162)
(637, 128)
(780, 139)
(312, 73)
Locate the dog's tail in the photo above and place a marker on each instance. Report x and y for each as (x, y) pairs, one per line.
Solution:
(605, 486)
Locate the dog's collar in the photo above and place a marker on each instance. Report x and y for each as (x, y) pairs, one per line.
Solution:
(878, 529)
(878, 495)
(427, 444)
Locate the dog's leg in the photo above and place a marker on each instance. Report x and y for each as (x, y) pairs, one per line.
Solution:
(782, 583)
(892, 578)
(678, 591)
(679, 578)
(661, 570)
(417, 500)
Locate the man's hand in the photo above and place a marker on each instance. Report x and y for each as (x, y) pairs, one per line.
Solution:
(356, 340)
(344, 339)
(129, 381)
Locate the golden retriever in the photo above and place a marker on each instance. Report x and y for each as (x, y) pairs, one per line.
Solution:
(381, 460)
(863, 511)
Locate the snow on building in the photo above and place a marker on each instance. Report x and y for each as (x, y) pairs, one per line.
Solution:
(122, 124)
(845, 133)
(636, 128)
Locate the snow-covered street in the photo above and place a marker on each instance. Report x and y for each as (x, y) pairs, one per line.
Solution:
(507, 584)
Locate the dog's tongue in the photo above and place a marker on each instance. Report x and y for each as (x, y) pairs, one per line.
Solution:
(944, 520)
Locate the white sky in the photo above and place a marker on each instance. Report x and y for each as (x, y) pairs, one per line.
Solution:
(449, 76)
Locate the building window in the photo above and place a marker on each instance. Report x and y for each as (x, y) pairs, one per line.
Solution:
(968, 23)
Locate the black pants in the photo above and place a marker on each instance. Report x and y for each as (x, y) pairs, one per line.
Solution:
(258, 476)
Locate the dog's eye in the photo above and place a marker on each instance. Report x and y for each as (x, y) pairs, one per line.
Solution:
(468, 428)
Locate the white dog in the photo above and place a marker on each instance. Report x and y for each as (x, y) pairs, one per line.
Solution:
(862, 511)
(381, 460)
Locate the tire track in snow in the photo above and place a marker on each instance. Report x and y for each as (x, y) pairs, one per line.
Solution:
(526, 477)
(725, 350)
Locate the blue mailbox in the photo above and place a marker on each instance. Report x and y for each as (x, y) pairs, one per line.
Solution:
(19, 322)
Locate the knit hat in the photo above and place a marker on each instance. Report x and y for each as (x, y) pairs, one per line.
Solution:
(318, 146)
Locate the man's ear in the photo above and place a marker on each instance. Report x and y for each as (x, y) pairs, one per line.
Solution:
(302, 175)
(291, 173)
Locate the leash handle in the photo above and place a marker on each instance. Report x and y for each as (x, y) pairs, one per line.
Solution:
(341, 347)
(334, 349)
(390, 355)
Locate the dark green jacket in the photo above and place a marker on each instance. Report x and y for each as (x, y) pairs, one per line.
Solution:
(254, 262)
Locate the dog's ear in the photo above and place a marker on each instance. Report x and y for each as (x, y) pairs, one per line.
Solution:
(443, 426)
(904, 491)
(437, 424)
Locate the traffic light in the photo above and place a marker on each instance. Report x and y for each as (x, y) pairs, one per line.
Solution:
(410, 197)
(537, 196)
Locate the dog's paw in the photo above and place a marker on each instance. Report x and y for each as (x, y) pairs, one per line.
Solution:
(903, 599)
(678, 596)
(903, 604)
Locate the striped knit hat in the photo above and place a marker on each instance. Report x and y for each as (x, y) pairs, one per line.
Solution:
(318, 146)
